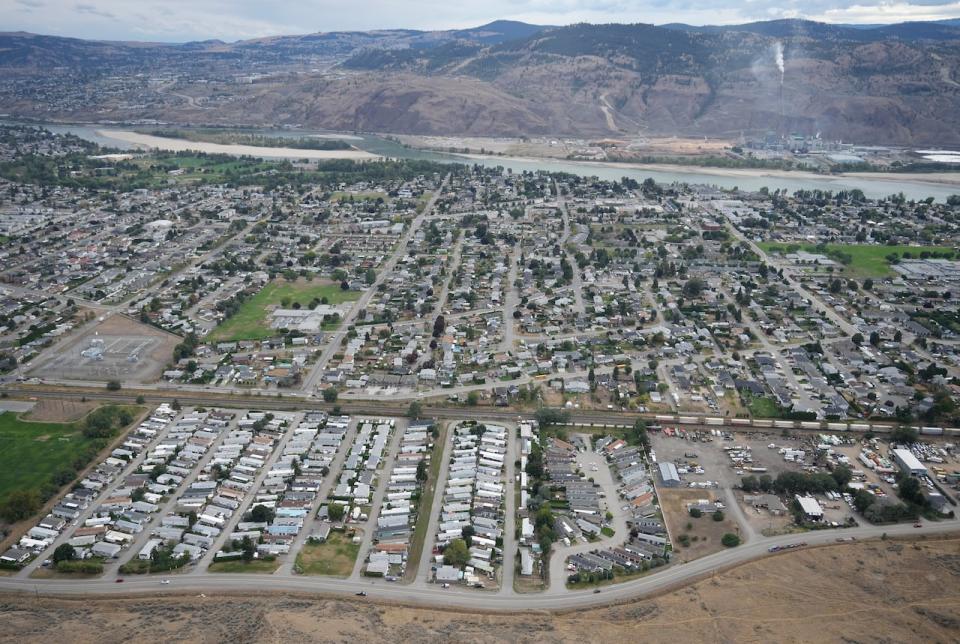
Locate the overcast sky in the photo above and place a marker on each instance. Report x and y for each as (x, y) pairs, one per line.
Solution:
(182, 20)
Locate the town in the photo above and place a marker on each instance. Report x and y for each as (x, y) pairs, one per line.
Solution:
(580, 382)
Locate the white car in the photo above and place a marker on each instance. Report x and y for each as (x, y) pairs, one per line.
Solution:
(165, 581)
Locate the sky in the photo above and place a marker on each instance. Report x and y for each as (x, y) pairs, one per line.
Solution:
(185, 20)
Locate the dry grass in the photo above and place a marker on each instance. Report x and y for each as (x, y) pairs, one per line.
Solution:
(881, 591)
(335, 557)
(704, 532)
(59, 410)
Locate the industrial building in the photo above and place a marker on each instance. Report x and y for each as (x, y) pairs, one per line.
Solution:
(669, 477)
(908, 463)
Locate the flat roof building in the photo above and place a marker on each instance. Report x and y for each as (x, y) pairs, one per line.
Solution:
(810, 507)
(909, 463)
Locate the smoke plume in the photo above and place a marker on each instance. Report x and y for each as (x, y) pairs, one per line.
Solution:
(778, 57)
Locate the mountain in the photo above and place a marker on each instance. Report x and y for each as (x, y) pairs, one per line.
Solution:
(887, 84)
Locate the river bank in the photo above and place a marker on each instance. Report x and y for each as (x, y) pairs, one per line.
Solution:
(149, 141)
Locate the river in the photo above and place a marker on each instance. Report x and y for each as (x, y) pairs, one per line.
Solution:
(873, 187)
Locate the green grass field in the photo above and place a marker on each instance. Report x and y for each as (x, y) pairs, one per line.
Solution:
(258, 566)
(251, 322)
(868, 260)
(30, 453)
(763, 407)
(335, 558)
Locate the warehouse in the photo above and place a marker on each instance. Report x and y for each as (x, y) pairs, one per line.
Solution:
(811, 509)
(908, 463)
(669, 477)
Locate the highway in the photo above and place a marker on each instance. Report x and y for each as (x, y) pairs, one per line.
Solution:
(210, 584)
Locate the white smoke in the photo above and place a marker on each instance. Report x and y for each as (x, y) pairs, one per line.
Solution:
(778, 58)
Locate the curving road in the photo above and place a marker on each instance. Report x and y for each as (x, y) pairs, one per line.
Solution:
(210, 584)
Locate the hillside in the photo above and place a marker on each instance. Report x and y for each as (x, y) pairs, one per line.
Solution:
(893, 84)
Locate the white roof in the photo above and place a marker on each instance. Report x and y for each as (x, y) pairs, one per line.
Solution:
(810, 506)
(908, 460)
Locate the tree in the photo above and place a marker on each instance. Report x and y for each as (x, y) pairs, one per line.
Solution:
(175, 405)
(640, 433)
(717, 516)
(336, 511)
(64, 552)
(249, 548)
(875, 339)
(904, 434)
(693, 288)
(422, 471)
(141, 400)
(730, 540)
(330, 395)
(473, 398)
(415, 410)
(867, 284)
(113, 385)
(857, 339)
(842, 475)
(456, 553)
(547, 417)
(19, 505)
(439, 325)
(696, 513)
(261, 514)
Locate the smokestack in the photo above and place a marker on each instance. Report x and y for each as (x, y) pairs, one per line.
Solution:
(778, 59)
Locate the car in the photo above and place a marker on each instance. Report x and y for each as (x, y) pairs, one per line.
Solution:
(362, 593)
(444, 585)
(46, 562)
(119, 581)
(917, 525)
(596, 590)
(165, 581)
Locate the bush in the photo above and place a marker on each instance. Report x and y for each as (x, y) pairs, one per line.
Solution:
(330, 395)
(114, 385)
(19, 505)
(718, 516)
(696, 513)
(730, 540)
(90, 567)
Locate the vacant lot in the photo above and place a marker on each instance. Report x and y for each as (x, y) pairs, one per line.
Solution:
(251, 321)
(336, 557)
(118, 348)
(260, 566)
(59, 410)
(881, 591)
(867, 260)
(31, 452)
(34, 455)
(704, 533)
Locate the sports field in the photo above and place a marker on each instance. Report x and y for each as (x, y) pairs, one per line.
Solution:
(866, 260)
(251, 321)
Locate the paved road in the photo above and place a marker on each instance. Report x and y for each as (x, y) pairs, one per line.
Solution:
(577, 285)
(510, 511)
(211, 584)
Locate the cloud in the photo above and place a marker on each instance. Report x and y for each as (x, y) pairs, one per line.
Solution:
(180, 20)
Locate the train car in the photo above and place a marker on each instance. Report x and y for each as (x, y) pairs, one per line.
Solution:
(862, 427)
(762, 422)
(713, 421)
(688, 420)
(809, 424)
(932, 431)
(740, 421)
(783, 424)
(952, 431)
(837, 427)
(665, 419)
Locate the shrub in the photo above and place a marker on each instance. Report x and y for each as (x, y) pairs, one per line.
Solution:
(696, 513)
(730, 540)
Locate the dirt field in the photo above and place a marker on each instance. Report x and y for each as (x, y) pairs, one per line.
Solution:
(59, 411)
(128, 351)
(704, 532)
(860, 592)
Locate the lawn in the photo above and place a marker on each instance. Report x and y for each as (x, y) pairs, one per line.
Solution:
(258, 566)
(867, 260)
(31, 452)
(336, 557)
(763, 407)
(251, 322)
